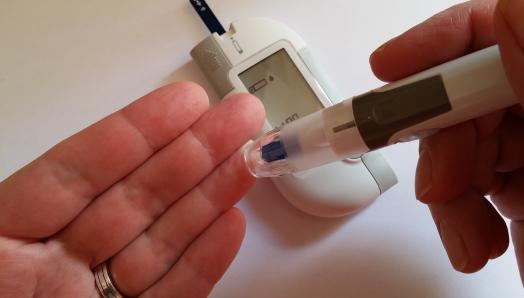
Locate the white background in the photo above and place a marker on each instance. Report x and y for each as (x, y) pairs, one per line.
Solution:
(65, 64)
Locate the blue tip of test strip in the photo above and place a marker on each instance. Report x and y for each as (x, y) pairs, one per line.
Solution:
(274, 151)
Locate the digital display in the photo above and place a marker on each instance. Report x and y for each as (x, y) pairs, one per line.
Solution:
(278, 83)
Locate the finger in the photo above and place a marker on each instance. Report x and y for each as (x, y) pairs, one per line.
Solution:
(487, 125)
(459, 157)
(508, 195)
(471, 230)
(517, 235)
(511, 140)
(205, 261)
(509, 27)
(446, 164)
(152, 254)
(47, 194)
(129, 207)
(485, 178)
(462, 29)
(509, 198)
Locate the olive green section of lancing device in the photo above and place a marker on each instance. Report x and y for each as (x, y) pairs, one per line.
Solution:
(379, 115)
(214, 64)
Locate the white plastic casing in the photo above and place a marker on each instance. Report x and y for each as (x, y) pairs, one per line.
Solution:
(311, 141)
(332, 190)
(476, 85)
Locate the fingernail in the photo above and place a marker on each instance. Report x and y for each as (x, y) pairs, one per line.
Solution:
(454, 245)
(382, 47)
(423, 179)
(512, 10)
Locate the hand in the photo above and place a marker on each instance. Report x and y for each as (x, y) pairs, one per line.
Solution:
(461, 165)
(149, 189)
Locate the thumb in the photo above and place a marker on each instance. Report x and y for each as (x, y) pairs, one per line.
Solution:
(509, 28)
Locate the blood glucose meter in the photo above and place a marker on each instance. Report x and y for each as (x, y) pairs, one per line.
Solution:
(269, 60)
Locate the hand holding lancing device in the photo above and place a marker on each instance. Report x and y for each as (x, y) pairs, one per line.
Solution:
(460, 165)
(149, 190)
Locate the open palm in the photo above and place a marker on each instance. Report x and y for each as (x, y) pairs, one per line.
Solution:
(149, 189)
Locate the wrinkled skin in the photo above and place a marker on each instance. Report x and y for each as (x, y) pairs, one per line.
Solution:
(461, 165)
(150, 188)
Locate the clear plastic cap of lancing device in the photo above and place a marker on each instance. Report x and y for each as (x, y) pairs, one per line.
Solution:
(272, 164)
(299, 146)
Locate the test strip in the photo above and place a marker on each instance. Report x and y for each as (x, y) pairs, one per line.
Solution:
(208, 17)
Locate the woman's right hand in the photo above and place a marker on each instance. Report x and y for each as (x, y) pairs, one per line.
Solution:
(461, 165)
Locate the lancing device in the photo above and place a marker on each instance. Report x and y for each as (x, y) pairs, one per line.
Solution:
(412, 108)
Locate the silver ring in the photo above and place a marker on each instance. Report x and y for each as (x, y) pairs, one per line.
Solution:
(104, 282)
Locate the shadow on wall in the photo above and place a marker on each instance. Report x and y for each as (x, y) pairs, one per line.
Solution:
(359, 270)
(291, 226)
(369, 272)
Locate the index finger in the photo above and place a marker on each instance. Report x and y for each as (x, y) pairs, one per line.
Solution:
(46, 195)
(450, 34)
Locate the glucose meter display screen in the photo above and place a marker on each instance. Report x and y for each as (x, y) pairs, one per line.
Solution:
(282, 88)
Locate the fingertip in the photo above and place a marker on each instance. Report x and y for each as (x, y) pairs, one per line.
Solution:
(497, 232)
(252, 104)
(378, 62)
(446, 165)
(470, 230)
(186, 85)
(187, 90)
(240, 219)
(233, 226)
(424, 175)
(462, 28)
(165, 113)
(476, 267)
(500, 246)
(244, 178)
(250, 107)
